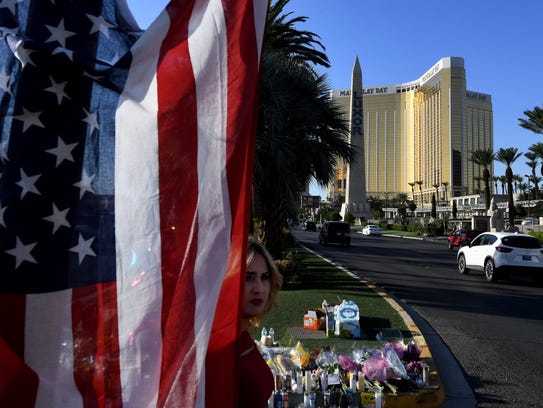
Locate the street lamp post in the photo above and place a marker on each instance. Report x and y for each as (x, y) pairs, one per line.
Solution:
(386, 203)
(529, 177)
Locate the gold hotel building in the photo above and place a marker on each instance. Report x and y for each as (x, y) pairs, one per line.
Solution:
(421, 131)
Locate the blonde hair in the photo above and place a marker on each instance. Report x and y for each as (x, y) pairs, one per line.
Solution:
(276, 279)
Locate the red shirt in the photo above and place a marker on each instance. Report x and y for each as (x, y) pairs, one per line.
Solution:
(256, 379)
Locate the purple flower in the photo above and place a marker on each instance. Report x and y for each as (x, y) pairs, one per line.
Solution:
(415, 367)
(375, 368)
(348, 364)
(326, 360)
(397, 347)
(412, 352)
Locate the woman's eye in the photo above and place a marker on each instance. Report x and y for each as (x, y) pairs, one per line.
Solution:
(266, 276)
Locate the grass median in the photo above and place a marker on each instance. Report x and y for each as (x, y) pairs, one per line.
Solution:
(315, 280)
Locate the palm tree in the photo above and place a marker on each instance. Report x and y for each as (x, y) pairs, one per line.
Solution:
(536, 180)
(507, 156)
(419, 183)
(517, 178)
(495, 179)
(300, 134)
(537, 149)
(412, 207)
(533, 120)
(525, 189)
(400, 199)
(281, 36)
(484, 158)
(478, 180)
(436, 186)
(412, 184)
(532, 163)
(503, 182)
(445, 185)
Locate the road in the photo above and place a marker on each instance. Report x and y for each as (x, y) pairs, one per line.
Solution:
(494, 330)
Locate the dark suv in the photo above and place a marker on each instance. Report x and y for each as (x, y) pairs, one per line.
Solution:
(335, 232)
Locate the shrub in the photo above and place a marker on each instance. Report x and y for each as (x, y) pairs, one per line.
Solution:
(537, 234)
(435, 230)
(416, 228)
(290, 267)
(349, 218)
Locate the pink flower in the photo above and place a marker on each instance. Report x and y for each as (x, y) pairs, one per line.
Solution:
(348, 364)
(397, 347)
(415, 367)
(375, 368)
(412, 352)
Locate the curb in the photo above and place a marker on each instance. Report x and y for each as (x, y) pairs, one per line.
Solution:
(434, 395)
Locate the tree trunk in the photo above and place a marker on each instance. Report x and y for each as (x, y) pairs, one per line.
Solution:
(486, 178)
(273, 213)
(510, 201)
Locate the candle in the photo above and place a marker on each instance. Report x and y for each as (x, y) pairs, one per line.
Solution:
(308, 382)
(352, 381)
(299, 383)
(360, 381)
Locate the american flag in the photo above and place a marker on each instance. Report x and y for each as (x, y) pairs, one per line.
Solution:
(125, 172)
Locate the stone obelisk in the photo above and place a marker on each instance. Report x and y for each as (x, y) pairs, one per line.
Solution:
(355, 194)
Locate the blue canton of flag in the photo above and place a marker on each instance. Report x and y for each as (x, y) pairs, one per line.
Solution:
(62, 65)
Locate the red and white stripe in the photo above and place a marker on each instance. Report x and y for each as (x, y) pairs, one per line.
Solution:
(164, 333)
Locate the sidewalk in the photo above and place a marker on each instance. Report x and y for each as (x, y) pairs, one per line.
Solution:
(453, 390)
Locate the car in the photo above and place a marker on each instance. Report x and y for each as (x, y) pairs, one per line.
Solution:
(502, 255)
(461, 237)
(371, 230)
(335, 232)
(309, 226)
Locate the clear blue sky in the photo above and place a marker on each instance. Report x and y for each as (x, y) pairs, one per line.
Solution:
(398, 40)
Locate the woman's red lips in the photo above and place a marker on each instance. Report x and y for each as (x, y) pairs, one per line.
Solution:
(256, 302)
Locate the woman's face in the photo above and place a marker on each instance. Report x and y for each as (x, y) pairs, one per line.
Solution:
(257, 287)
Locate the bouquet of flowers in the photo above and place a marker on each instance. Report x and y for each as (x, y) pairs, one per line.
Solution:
(395, 365)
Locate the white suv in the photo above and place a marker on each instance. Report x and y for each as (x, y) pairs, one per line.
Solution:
(501, 254)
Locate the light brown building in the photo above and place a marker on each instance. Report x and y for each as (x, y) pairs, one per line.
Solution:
(423, 130)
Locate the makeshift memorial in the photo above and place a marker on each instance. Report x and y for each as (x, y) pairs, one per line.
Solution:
(371, 374)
